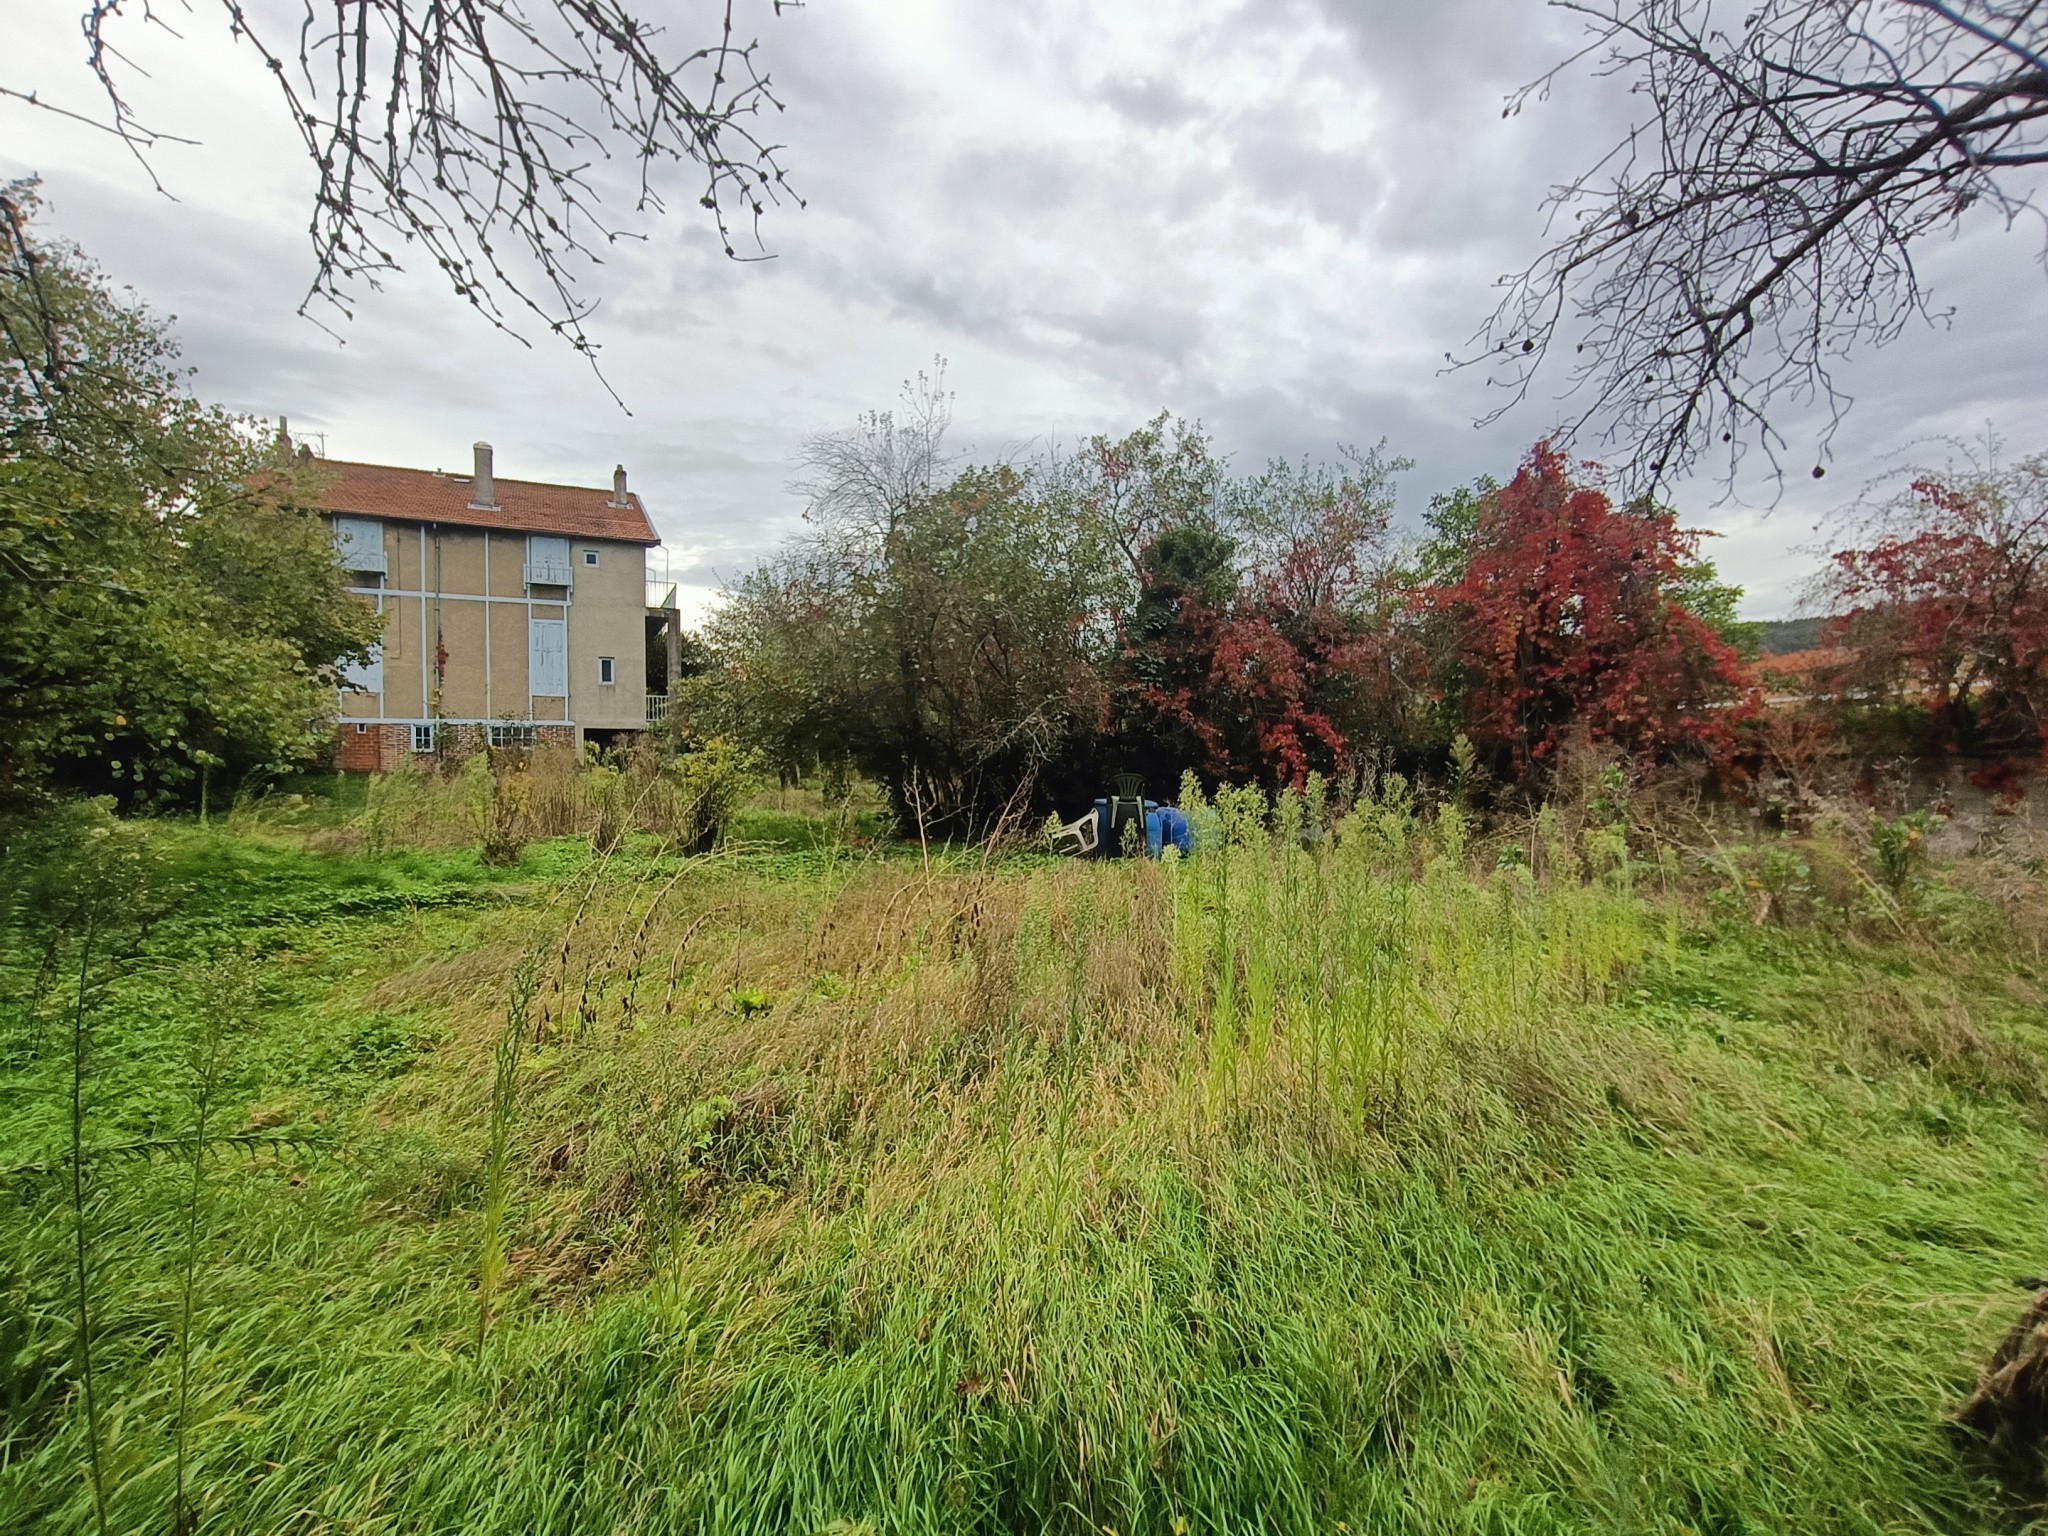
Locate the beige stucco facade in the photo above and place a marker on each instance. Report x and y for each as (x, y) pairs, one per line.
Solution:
(464, 624)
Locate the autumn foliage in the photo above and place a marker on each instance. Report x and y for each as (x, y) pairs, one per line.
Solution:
(1278, 670)
(1947, 608)
(1135, 607)
(1567, 618)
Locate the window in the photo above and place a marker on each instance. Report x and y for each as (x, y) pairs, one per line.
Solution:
(361, 729)
(590, 557)
(423, 738)
(511, 733)
(607, 669)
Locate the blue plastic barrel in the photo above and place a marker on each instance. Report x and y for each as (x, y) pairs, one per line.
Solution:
(1173, 828)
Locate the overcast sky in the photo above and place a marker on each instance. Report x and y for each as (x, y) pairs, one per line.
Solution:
(1276, 216)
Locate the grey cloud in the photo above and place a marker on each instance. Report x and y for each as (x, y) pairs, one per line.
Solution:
(1150, 102)
(1275, 215)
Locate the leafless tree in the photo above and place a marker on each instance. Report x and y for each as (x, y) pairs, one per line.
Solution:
(858, 483)
(1760, 222)
(471, 134)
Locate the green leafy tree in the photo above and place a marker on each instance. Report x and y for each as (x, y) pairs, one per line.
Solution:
(1134, 490)
(1700, 591)
(170, 607)
(941, 646)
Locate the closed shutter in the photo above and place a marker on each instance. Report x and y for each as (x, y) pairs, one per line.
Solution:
(547, 656)
(359, 543)
(366, 676)
(547, 561)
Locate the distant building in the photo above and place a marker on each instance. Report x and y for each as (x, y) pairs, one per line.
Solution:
(514, 612)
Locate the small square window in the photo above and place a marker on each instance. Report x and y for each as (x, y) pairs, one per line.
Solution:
(360, 728)
(590, 557)
(423, 738)
(607, 669)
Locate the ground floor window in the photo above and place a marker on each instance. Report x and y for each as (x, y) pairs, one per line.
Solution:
(423, 738)
(511, 733)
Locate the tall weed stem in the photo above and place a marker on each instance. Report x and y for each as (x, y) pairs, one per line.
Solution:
(81, 1243)
(505, 1057)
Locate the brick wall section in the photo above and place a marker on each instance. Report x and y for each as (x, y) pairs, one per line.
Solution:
(385, 748)
(459, 743)
(374, 748)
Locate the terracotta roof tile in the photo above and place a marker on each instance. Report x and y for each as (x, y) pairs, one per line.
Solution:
(1816, 659)
(524, 506)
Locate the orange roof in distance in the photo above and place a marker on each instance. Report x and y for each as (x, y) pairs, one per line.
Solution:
(1805, 663)
(524, 506)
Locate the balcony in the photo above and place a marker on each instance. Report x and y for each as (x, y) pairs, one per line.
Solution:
(547, 573)
(657, 708)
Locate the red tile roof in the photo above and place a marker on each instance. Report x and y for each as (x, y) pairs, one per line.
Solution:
(1820, 658)
(524, 506)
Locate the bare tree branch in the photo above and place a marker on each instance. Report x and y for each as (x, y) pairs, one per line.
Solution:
(860, 482)
(1758, 225)
(474, 132)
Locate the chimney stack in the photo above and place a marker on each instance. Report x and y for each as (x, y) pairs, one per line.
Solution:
(619, 486)
(484, 493)
(284, 438)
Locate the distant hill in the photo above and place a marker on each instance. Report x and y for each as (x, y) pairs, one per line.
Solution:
(1781, 637)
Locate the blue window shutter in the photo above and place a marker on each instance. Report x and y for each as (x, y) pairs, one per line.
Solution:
(359, 543)
(547, 561)
(547, 656)
(365, 676)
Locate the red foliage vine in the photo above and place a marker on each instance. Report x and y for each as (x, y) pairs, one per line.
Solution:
(1564, 621)
(1276, 674)
(1952, 610)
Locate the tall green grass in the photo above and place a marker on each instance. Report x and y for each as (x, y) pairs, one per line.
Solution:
(1338, 1177)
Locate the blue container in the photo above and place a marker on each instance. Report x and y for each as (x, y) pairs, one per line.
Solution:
(1173, 828)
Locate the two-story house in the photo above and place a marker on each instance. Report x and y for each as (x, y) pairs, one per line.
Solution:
(514, 612)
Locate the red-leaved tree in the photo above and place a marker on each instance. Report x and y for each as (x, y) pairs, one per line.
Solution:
(1566, 618)
(1948, 605)
(1280, 669)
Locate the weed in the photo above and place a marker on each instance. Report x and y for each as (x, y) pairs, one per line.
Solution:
(1345, 1172)
(505, 1055)
(1898, 846)
(228, 990)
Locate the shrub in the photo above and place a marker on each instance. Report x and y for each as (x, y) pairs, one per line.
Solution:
(712, 781)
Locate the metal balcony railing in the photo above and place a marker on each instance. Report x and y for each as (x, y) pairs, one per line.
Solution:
(547, 573)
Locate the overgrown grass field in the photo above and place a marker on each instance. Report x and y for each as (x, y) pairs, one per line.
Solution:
(1348, 1180)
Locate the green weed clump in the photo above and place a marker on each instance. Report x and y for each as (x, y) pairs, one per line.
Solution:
(1352, 1174)
(501, 801)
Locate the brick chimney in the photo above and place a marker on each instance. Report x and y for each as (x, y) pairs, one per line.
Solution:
(619, 486)
(483, 495)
